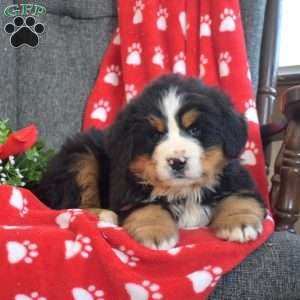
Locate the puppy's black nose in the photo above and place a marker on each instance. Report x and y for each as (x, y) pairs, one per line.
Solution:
(177, 164)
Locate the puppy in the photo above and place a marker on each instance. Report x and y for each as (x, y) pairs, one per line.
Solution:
(169, 161)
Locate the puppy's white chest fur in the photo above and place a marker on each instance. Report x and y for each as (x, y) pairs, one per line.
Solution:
(194, 215)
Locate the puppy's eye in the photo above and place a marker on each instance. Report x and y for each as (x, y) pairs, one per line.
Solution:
(194, 131)
(157, 135)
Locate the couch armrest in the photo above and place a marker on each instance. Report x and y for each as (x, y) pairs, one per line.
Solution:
(286, 195)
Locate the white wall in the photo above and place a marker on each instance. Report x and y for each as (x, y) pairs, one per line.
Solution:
(290, 35)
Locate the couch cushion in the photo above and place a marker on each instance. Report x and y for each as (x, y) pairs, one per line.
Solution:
(56, 77)
(253, 13)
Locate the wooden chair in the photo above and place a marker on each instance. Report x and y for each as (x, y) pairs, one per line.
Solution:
(285, 187)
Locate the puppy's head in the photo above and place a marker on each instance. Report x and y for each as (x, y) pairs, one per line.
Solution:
(179, 135)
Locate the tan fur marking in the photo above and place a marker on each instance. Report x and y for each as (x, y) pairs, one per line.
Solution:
(213, 163)
(87, 175)
(150, 225)
(157, 123)
(236, 212)
(189, 118)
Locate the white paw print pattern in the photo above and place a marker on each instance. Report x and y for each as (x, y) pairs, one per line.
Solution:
(161, 22)
(64, 219)
(224, 60)
(179, 63)
(134, 54)
(18, 201)
(138, 14)
(144, 291)
(101, 110)
(248, 157)
(130, 91)
(158, 57)
(205, 23)
(207, 277)
(227, 20)
(126, 256)
(21, 251)
(32, 296)
(112, 75)
(183, 22)
(91, 293)
(203, 62)
(251, 113)
(117, 37)
(81, 245)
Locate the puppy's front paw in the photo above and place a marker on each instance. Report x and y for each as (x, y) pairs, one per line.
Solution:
(153, 227)
(238, 230)
(238, 219)
(155, 237)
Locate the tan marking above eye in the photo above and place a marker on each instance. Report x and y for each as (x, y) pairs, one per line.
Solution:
(189, 118)
(157, 122)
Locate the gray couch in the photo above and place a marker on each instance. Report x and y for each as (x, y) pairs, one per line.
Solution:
(49, 85)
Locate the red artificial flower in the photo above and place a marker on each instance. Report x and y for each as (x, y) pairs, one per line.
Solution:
(19, 141)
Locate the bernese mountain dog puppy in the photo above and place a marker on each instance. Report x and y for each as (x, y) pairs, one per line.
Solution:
(169, 161)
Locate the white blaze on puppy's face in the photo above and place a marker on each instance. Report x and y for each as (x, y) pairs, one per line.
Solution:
(176, 147)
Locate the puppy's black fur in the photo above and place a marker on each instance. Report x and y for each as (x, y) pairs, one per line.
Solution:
(132, 136)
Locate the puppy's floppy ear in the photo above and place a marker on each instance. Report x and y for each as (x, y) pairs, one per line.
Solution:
(235, 133)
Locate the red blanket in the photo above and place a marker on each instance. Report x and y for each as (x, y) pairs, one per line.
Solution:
(65, 255)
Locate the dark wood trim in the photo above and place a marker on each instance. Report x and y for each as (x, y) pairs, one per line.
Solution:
(267, 93)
